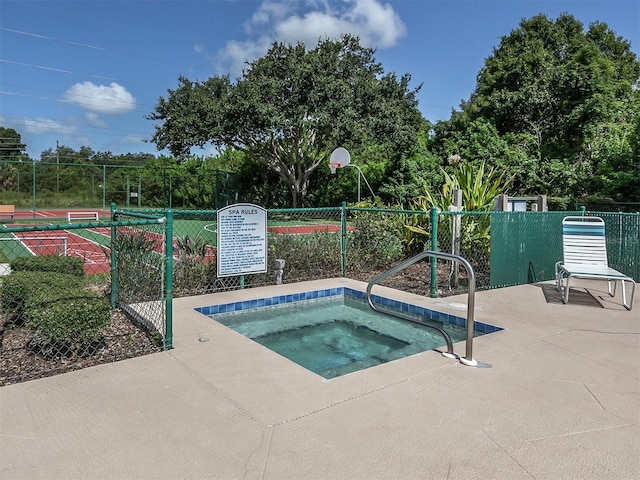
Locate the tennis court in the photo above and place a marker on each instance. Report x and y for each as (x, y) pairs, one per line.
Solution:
(59, 242)
(93, 244)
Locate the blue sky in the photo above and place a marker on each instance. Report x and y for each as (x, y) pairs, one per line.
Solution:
(85, 73)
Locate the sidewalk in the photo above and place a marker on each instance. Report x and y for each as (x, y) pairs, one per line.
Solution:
(561, 400)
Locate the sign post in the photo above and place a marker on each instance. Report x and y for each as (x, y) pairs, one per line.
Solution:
(242, 240)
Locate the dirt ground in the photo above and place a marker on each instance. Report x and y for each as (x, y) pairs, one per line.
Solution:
(21, 359)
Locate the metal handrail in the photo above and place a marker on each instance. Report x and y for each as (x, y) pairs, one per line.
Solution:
(468, 359)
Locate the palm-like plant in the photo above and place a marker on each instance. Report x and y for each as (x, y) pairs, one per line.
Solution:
(191, 249)
(478, 187)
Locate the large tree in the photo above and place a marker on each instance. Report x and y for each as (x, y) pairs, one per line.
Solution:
(291, 108)
(562, 92)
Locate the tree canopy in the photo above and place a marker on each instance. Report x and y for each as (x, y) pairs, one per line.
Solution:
(553, 89)
(291, 108)
(11, 146)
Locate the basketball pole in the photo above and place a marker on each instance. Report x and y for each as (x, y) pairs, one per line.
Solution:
(360, 174)
(341, 158)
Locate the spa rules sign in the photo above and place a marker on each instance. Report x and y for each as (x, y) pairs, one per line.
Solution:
(242, 240)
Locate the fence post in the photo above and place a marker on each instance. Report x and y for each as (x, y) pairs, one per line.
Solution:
(168, 337)
(114, 264)
(343, 239)
(456, 234)
(434, 248)
(104, 186)
(34, 189)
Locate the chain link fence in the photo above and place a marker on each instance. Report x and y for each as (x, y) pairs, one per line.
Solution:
(59, 185)
(133, 266)
(308, 241)
(359, 243)
(58, 311)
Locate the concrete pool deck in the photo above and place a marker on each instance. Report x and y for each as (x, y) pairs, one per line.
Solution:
(561, 400)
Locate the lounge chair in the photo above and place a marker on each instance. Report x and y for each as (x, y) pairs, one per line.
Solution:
(585, 256)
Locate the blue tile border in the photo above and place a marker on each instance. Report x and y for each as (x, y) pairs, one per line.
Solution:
(479, 327)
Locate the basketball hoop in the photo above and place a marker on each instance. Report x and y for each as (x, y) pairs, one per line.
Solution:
(339, 158)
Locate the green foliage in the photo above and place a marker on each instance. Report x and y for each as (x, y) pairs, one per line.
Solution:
(376, 239)
(191, 249)
(478, 188)
(309, 256)
(66, 321)
(409, 173)
(418, 226)
(11, 148)
(564, 97)
(475, 236)
(19, 286)
(191, 273)
(49, 263)
(139, 265)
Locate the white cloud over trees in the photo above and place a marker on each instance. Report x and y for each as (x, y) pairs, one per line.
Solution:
(374, 22)
(112, 99)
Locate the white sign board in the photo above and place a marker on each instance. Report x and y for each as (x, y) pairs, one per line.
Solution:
(242, 240)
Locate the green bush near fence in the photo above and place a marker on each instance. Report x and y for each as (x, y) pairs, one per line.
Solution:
(139, 260)
(66, 322)
(308, 256)
(63, 317)
(49, 263)
(376, 239)
(20, 286)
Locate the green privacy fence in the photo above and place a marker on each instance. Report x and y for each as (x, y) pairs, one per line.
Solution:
(525, 246)
(623, 241)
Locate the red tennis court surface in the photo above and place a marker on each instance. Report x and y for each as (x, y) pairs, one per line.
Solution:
(51, 243)
(301, 229)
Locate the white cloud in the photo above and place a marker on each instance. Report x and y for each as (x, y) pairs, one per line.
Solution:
(95, 120)
(45, 125)
(374, 22)
(235, 54)
(112, 99)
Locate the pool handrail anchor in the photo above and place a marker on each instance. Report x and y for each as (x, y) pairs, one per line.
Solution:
(468, 358)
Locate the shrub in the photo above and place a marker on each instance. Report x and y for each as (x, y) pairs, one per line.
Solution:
(308, 256)
(139, 265)
(376, 240)
(66, 321)
(49, 263)
(19, 286)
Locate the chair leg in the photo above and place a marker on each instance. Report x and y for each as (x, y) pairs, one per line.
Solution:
(628, 306)
(565, 292)
(612, 291)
